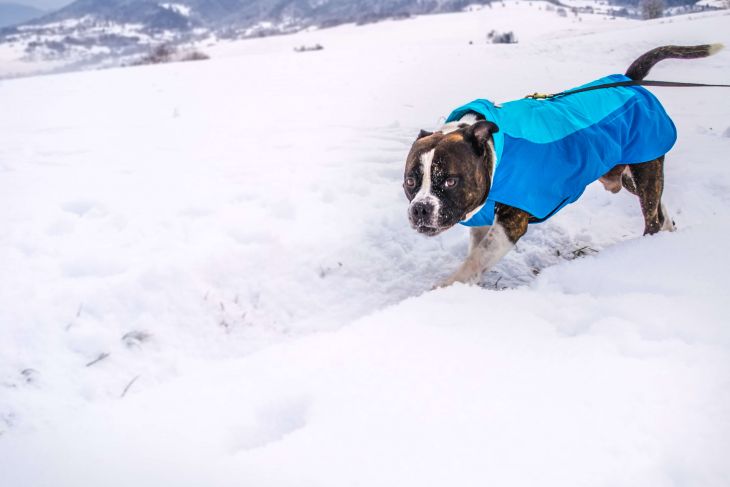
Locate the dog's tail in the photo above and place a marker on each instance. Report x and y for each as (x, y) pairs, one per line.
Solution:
(640, 68)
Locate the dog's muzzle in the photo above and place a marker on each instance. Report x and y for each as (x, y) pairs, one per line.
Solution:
(422, 215)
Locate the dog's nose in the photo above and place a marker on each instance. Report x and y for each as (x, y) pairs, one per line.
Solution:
(421, 212)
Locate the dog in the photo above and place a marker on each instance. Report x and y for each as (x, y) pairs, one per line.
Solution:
(499, 169)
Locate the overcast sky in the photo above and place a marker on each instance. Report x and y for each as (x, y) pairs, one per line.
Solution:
(43, 4)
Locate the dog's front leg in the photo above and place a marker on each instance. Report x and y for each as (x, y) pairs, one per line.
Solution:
(476, 235)
(509, 225)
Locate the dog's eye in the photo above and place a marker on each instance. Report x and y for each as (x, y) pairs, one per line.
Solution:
(450, 182)
(411, 182)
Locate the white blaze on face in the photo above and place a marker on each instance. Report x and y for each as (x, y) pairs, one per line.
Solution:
(425, 194)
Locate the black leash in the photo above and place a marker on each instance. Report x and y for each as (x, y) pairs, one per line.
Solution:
(674, 84)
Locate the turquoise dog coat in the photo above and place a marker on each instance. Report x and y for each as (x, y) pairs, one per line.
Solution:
(548, 151)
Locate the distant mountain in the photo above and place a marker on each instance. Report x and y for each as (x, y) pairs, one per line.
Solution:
(88, 31)
(668, 3)
(13, 13)
(243, 14)
(151, 14)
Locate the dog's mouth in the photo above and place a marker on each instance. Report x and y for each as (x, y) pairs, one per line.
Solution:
(428, 230)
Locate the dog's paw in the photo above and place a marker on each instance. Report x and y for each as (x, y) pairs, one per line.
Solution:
(453, 279)
(442, 284)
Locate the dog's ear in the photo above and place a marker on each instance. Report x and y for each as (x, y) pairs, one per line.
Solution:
(480, 133)
(423, 133)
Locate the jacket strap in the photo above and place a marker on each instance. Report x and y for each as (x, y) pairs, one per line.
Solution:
(638, 82)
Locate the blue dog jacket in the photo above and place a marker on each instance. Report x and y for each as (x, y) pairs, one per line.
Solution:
(548, 151)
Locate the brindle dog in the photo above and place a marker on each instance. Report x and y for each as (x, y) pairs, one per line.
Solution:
(448, 176)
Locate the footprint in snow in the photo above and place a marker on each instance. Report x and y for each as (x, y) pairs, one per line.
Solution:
(542, 248)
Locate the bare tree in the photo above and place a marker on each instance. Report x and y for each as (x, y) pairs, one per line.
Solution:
(652, 9)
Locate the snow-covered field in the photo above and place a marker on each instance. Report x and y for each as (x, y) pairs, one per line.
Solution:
(208, 277)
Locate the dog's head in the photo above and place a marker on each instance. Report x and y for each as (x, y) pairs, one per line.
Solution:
(448, 175)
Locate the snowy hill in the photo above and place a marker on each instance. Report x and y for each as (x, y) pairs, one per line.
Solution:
(246, 13)
(209, 277)
(101, 33)
(91, 32)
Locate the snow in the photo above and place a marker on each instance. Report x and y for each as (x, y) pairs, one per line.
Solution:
(177, 8)
(712, 3)
(233, 234)
(34, 49)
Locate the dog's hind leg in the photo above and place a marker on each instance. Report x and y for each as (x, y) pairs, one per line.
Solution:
(628, 182)
(668, 225)
(648, 185)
